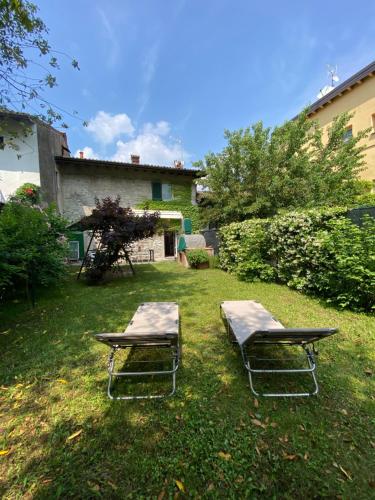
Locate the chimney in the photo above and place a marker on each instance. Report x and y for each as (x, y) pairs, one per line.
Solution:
(178, 164)
(81, 155)
(135, 159)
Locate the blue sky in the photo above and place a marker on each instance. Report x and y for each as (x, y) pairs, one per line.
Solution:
(164, 78)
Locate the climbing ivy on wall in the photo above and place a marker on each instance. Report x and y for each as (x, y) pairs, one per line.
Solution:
(181, 202)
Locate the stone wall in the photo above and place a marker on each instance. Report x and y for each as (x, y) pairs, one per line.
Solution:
(79, 187)
(141, 249)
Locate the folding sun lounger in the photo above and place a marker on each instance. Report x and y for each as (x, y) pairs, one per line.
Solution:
(251, 325)
(154, 325)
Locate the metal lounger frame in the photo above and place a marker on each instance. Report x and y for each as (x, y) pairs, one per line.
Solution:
(310, 352)
(175, 357)
(146, 340)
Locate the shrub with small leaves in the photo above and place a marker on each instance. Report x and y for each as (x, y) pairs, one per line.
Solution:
(319, 252)
(196, 257)
(243, 251)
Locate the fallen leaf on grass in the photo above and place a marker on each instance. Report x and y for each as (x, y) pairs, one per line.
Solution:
(302, 427)
(74, 435)
(273, 424)
(112, 485)
(256, 403)
(61, 380)
(161, 495)
(284, 439)
(344, 412)
(210, 487)
(368, 372)
(93, 486)
(257, 450)
(258, 423)
(46, 481)
(346, 474)
(180, 485)
(4, 452)
(286, 456)
(306, 456)
(3, 388)
(225, 456)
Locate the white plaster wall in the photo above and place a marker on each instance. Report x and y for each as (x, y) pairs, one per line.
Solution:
(11, 180)
(23, 159)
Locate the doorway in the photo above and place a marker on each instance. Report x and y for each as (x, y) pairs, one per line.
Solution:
(169, 243)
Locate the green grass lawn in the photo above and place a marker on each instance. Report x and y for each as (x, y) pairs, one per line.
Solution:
(206, 440)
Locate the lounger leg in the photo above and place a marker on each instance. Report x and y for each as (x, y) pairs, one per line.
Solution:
(311, 370)
(112, 374)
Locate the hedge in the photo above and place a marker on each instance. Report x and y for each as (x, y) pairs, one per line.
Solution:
(319, 252)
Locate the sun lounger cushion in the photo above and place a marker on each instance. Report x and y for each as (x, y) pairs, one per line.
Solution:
(251, 322)
(153, 322)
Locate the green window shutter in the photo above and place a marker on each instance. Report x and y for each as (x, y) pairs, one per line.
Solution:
(181, 244)
(188, 228)
(156, 191)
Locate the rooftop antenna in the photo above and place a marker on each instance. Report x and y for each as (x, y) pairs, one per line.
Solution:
(332, 74)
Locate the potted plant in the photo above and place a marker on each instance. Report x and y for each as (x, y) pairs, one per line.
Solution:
(198, 258)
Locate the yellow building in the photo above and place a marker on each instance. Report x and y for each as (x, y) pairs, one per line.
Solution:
(355, 95)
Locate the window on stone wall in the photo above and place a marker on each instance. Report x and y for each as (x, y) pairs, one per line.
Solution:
(161, 192)
(166, 192)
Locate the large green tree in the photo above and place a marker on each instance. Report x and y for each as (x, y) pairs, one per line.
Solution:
(27, 62)
(262, 170)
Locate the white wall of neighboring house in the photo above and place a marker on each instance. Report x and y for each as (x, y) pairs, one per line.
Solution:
(11, 180)
(19, 165)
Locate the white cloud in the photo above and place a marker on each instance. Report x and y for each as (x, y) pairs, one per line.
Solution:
(106, 127)
(87, 153)
(152, 145)
(159, 128)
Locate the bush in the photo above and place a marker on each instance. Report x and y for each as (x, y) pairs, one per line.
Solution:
(32, 246)
(345, 275)
(243, 251)
(319, 252)
(290, 243)
(28, 193)
(196, 257)
(367, 199)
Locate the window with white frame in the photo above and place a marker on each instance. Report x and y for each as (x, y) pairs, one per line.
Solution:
(166, 192)
(348, 134)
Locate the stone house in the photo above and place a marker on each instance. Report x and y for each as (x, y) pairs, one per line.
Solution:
(167, 189)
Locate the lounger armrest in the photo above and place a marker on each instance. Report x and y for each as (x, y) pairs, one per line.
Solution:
(297, 335)
(123, 338)
(290, 331)
(106, 337)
